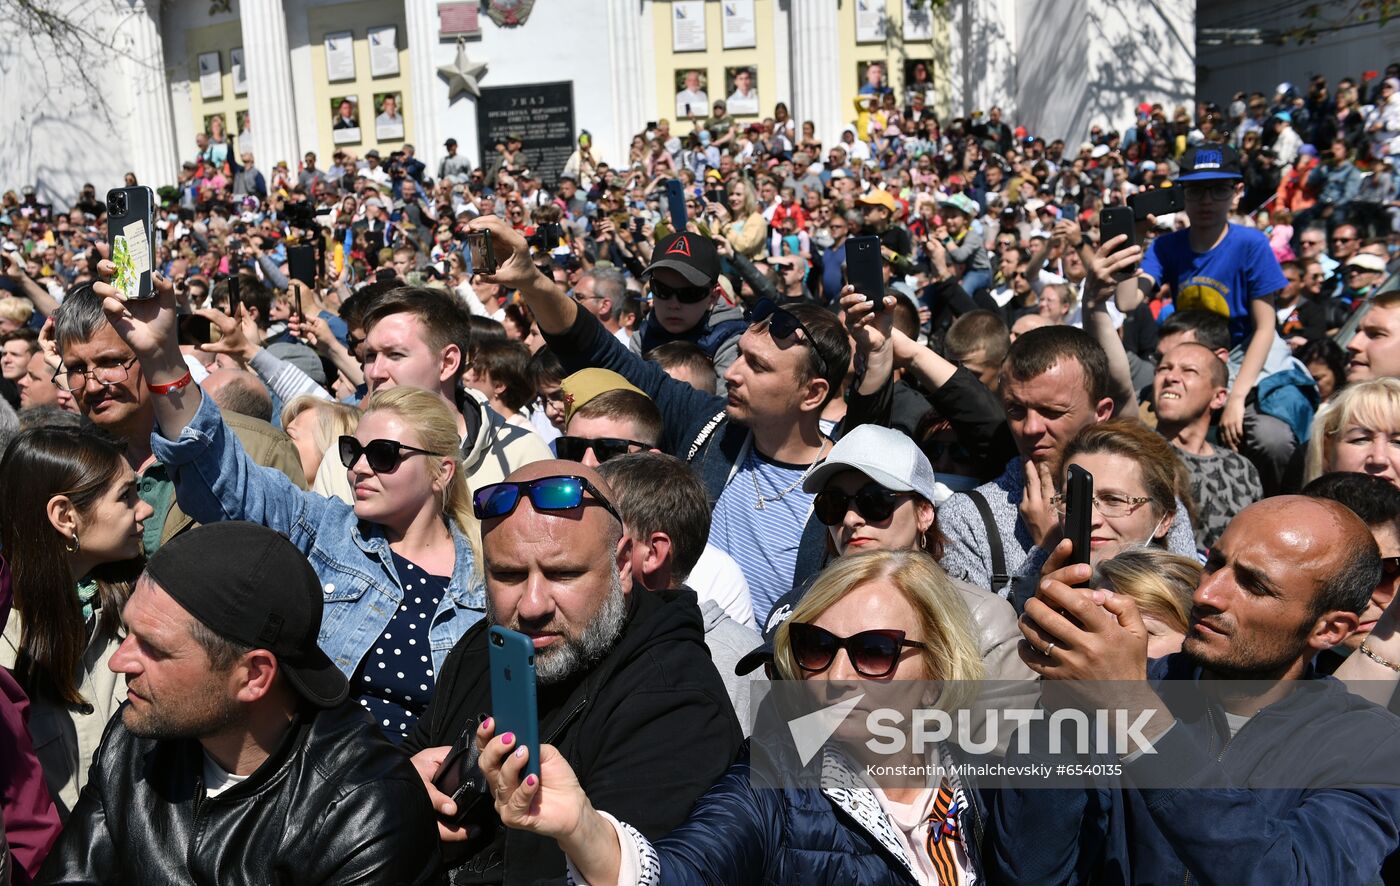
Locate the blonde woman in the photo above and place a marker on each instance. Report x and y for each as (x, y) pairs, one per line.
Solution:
(396, 565)
(1161, 583)
(869, 619)
(315, 425)
(741, 222)
(1359, 431)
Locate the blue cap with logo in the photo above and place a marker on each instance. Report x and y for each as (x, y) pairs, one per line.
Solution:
(1209, 162)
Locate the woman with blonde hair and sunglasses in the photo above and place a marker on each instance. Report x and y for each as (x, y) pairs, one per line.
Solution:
(399, 574)
(869, 619)
(1359, 431)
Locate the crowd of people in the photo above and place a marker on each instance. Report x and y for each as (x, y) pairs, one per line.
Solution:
(256, 528)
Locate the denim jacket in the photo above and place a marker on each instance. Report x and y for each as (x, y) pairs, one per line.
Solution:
(216, 480)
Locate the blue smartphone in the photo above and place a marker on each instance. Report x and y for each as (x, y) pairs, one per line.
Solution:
(513, 704)
(675, 202)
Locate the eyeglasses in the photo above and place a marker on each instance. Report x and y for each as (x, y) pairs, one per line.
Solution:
(75, 379)
(936, 449)
(562, 493)
(384, 456)
(1210, 192)
(873, 502)
(874, 654)
(1390, 567)
(1345, 239)
(1110, 504)
(604, 448)
(686, 295)
(780, 324)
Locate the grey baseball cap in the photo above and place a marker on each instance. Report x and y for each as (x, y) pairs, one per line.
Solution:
(884, 455)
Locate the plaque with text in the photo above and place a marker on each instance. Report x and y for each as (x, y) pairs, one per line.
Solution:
(542, 114)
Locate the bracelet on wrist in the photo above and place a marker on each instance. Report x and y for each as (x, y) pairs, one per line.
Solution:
(171, 387)
(1366, 651)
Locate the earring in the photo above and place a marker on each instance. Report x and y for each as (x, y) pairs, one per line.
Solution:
(73, 549)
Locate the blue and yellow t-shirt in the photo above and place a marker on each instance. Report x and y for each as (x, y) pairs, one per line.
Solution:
(1225, 280)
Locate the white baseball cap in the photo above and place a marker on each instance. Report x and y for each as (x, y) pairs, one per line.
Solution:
(884, 455)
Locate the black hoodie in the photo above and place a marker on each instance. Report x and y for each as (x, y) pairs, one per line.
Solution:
(647, 730)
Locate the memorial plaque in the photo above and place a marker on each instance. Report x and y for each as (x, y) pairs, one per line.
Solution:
(542, 114)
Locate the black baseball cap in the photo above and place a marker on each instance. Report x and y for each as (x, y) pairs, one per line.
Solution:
(690, 255)
(249, 584)
(1211, 162)
(450, 143)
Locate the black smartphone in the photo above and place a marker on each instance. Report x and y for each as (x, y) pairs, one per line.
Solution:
(864, 267)
(479, 253)
(1115, 220)
(130, 220)
(1158, 202)
(459, 776)
(637, 224)
(301, 264)
(512, 658)
(550, 234)
(192, 329)
(1079, 503)
(717, 196)
(675, 204)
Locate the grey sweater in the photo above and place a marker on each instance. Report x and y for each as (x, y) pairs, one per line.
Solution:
(730, 641)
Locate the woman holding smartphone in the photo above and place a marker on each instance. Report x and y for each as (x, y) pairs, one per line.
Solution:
(398, 571)
(868, 620)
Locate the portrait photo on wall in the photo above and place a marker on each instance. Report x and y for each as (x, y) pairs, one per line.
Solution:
(918, 77)
(345, 119)
(691, 98)
(741, 85)
(388, 122)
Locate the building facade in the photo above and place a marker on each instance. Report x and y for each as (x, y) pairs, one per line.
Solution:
(283, 78)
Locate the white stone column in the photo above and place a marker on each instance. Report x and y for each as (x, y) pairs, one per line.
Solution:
(816, 53)
(269, 71)
(152, 129)
(625, 40)
(426, 91)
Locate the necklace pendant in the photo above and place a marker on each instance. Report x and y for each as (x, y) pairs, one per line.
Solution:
(758, 506)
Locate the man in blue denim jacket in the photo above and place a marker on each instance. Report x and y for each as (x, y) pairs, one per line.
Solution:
(1285, 779)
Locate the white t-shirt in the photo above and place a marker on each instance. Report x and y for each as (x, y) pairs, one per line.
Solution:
(717, 577)
(217, 779)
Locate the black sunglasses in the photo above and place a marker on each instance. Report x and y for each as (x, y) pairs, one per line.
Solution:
(1390, 567)
(874, 654)
(781, 324)
(383, 455)
(604, 448)
(687, 295)
(546, 494)
(872, 501)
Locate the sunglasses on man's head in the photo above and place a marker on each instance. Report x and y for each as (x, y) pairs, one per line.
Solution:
(780, 324)
(383, 456)
(687, 295)
(874, 654)
(604, 448)
(873, 502)
(561, 493)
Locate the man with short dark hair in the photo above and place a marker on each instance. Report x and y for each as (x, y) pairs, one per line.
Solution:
(1190, 383)
(238, 756)
(1259, 770)
(627, 691)
(666, 515)
(751, 447)
(420, 337)
(1054, 383)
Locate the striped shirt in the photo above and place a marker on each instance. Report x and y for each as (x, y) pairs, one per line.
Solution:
(763, 542)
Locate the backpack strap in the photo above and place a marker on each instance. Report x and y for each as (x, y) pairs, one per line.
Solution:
(1000, 578)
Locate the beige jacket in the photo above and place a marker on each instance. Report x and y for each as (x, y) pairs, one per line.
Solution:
(65, 739)
(997, 633)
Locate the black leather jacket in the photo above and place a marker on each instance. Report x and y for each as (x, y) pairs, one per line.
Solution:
(336, 803)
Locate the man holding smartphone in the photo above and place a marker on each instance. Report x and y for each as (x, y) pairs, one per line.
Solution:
(625, 684)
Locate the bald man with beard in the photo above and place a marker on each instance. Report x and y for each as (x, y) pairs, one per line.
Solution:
(626, 688)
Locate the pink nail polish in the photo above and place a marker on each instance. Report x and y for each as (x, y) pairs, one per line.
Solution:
(488, 723)
(530, 780)
(507, 738)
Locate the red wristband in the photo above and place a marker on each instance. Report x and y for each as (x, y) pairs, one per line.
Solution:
(177, 384)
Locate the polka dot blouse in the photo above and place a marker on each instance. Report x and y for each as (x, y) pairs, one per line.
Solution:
(395, 682)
